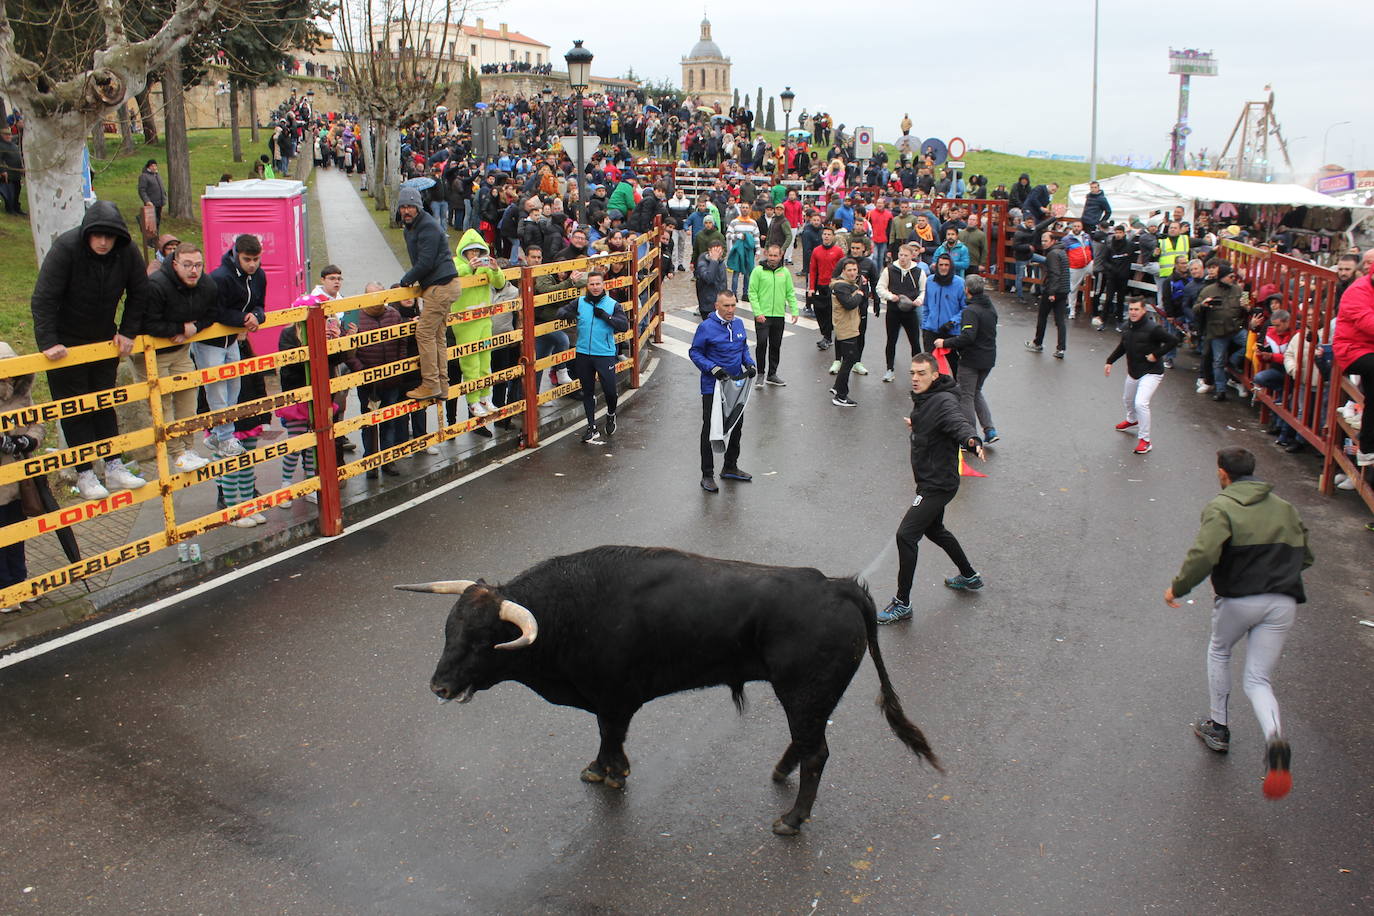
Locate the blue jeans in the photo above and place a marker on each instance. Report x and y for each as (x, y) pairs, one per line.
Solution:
(734, 282)
(547, 345)
(880, 254)
(439, 210)
(1272, 380)
(1214, 353)
(219, 395)
(1022, 267)
(384, 435)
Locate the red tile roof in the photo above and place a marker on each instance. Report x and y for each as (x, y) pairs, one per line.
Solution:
(473, 32)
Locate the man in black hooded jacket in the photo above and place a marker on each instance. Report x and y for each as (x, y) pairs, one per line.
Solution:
(939, 430)
(1054, 297)
(84, 275)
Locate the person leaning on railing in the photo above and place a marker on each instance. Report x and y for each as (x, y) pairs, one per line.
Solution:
(1353, 346)
(16, 444)
(182, 301)
(84, 275)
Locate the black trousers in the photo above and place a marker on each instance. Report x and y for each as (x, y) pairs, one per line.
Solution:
(85, 379)
(1112, 303)
(928, 339)
(897, 322)
(1060, 310)
(1364, 368)
(848, 352)
(588, 369)
(926, 518)
(768, 350)
(12, 567)
(823, 305)
(708, 457)
(505, 392)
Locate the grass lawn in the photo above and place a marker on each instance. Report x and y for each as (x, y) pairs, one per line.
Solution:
(117, 180)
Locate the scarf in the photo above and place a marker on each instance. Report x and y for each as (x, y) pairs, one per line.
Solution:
(927, 234)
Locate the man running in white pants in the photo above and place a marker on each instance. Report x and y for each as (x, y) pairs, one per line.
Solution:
(1144, 345)
(1254, 545)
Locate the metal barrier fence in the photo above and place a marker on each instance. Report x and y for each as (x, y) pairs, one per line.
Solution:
(641, 276)
(1313, 382)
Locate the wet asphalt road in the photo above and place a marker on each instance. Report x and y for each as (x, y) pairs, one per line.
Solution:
(271, 746)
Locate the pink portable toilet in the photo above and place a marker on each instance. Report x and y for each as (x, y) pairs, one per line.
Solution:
(273, 210)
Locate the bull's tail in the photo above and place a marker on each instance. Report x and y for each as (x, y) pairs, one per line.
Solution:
(905, 730)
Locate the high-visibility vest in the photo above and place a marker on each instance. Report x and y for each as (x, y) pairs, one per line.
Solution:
(1168, 254)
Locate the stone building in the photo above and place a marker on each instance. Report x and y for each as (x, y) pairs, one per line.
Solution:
(706, 71)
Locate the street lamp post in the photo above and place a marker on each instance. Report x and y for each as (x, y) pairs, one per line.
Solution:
(1327, 135)
(787, 96)
(546, 112)
(579, 61)
(1092, 152)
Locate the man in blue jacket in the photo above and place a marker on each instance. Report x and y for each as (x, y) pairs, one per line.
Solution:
(720, 349)
(599, 318)
(943, 306)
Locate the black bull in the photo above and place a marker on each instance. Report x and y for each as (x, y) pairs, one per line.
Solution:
(611, 628)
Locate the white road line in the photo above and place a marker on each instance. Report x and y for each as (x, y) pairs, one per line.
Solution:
(674, 346)
(172, 600)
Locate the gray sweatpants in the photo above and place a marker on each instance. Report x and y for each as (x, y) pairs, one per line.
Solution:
(1266, 619)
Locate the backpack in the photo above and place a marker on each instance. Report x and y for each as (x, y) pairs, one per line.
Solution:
(1080, 253)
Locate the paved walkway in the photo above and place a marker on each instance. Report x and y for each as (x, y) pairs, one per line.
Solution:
(351, 236)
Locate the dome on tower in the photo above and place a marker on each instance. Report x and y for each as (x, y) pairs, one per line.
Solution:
(705, 47)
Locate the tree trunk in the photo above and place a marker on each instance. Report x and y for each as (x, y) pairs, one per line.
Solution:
(235, 143)
(253, 133)
(179, 204)
(386, 174)
(146, 117)
(98, 148)
(52, 163)
(126, 131)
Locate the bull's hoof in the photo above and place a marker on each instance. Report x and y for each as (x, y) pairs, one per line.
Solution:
(782, 828)
(780, 776)
(614, 781)
(593, 773)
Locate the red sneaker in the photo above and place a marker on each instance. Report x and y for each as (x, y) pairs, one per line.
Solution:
(1126, 424)
(1142, 446)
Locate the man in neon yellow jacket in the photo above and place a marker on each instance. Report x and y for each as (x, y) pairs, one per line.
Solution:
(474, 258)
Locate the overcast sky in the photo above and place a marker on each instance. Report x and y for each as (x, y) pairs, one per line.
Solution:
(1008, 75)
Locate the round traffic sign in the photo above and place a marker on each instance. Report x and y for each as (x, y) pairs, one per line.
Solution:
(864, 137)
(957, 148)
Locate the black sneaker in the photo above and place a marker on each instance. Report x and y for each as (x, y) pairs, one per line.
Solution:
(610, 424)
(708, 483)
(962, 583)
(482, 432)
(735, 474)
(1217, 737)
(774, 380)
(822, 344)
(843, 402)
(1058, 354)
(592, 436)
(1034, 347)
(1277, 779)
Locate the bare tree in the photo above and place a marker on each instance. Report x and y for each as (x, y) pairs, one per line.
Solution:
(398, 54)
(64, 99)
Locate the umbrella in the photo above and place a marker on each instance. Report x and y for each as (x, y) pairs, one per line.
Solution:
(720, 118)
(704, 110)
(798, 132)
(445, 107)
(422, 183)
(65, 536)
(653, 108)
(480, 105)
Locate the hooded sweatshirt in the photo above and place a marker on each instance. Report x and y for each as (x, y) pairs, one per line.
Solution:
(172, 304)
(240, 294)
(771, 291)
(1251, 542)
(474, 296)
(944, 302)
(938, 428)
(977, 337)
(78, 291)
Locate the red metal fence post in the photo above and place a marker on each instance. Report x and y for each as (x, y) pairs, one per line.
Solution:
(527, 358)
(322, 412)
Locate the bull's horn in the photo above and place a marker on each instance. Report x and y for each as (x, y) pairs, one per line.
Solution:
(448, 587)
(522, 618)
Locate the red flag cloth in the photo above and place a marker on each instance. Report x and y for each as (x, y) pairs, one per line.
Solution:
(941, 355)
(966, 469)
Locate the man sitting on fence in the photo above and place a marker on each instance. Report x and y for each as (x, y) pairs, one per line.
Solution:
(83, 277)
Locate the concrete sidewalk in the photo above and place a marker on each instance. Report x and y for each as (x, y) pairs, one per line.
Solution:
(357, 245)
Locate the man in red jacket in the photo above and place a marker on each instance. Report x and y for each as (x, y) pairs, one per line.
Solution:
(879, 218)
(822, 268)
(1353, 346)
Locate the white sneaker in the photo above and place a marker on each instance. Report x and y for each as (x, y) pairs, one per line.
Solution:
(243, 521)
(563, 377)
(476, 409)
(118, 477)
(1203, 387)
(859, 369)
(286, 504)
(190, 461)
(89, 487)
(312, 498)
(889, 375)
(1344, 483)
(258, 518)
(487, 403)
(432, 450)
(227, 448)
(1364, 459)
(835, 367)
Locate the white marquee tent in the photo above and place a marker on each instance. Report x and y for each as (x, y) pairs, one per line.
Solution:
(1140, 194)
